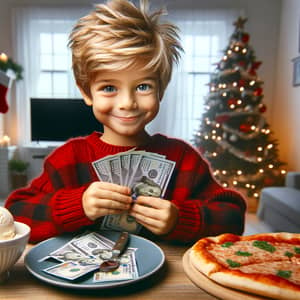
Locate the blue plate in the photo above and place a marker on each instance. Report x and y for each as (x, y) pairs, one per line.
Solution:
(149, 258)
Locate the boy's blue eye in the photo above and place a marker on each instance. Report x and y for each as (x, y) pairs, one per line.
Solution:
(109, 89)
(143, 87)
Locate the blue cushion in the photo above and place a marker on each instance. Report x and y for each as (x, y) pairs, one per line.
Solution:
(280, 208)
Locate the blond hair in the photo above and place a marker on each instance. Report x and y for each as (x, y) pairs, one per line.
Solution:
(118, 35)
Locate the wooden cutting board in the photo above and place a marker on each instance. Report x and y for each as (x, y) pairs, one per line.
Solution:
(212, 287)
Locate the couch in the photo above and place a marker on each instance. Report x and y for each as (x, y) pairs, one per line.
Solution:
(279, 207)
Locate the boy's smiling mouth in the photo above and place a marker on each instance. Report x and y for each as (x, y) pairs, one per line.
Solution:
(126, 118)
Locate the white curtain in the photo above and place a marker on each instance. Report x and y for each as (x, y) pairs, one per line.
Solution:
(26, 23)
(182, 105)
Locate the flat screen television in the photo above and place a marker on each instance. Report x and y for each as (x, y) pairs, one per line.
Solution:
(61, 119)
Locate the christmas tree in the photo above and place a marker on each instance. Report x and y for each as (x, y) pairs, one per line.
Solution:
(234, 135)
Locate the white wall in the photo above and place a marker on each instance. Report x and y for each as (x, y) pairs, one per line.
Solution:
(286, 102)
(263, 26)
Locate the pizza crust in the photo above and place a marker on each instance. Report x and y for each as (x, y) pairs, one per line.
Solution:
(203, 259)
(254, 286)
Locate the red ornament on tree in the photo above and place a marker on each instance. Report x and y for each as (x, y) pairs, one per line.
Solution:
(268, 181)
(242, 82)
(245, 37)
(245, 128)
(262, 108)
(231, 101)
(257, 92)
(254, 66)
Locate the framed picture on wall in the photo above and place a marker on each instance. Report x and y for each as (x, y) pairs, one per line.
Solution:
(296, 71)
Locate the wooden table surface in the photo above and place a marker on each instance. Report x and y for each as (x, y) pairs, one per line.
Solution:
(168, 283)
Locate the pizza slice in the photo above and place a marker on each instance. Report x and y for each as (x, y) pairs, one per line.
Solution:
(264, 264)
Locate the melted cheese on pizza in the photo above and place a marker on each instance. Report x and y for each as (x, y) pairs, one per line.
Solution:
(284, 269)
(245, 252)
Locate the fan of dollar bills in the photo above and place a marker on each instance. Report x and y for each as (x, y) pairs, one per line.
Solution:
(146, 173)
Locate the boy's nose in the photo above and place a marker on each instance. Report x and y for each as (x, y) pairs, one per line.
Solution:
(127, 101)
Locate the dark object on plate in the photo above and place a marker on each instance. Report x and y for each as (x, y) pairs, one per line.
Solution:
(111, 258)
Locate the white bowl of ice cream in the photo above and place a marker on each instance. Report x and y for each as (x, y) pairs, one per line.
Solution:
(13, 239)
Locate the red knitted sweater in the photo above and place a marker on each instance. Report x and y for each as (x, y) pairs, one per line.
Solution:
(52, 203)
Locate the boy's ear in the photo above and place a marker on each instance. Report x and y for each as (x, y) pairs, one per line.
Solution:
(88, 101)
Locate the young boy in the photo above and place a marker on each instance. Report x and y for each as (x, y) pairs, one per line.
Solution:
(122, 62)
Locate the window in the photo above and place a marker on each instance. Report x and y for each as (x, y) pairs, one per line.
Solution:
(54, 72)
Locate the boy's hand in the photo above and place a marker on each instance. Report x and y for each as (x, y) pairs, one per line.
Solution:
(156, 214)
(104, 198)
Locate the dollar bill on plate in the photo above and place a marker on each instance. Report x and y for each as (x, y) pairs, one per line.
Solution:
(146, 173)
(70, 270)
(81, 248)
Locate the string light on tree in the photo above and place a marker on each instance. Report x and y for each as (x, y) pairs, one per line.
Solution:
(235, 136)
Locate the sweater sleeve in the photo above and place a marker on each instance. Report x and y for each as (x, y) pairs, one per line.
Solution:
(50, 205)
(205, 207)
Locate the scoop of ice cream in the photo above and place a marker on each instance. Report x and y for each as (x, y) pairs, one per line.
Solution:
(7, 226)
